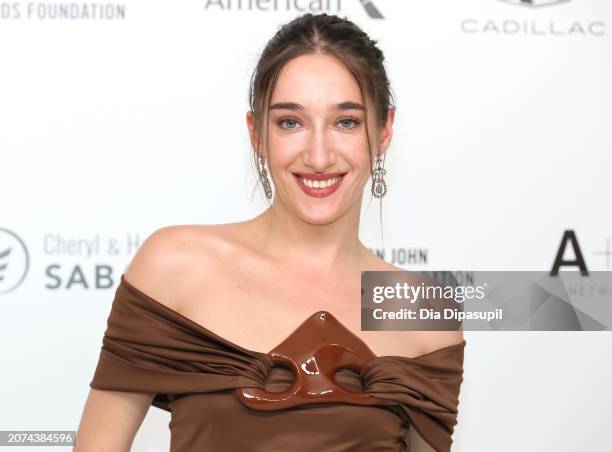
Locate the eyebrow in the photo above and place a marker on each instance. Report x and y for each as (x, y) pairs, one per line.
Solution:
(346, 105)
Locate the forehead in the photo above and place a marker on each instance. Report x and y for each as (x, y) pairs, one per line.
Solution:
(315, 80)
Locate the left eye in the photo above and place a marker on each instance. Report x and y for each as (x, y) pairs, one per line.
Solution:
(351, 121)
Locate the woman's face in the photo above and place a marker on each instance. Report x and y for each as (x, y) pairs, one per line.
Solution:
(317, 149)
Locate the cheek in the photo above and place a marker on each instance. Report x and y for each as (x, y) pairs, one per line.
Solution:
(283, 145)
(360, 167)
(282, 153)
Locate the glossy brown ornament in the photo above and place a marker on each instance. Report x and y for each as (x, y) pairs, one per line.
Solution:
(314, 352)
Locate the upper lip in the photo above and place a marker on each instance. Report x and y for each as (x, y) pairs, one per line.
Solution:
(319, 176)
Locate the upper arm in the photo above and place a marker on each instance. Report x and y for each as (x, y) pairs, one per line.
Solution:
(418, 443)
(111, 419)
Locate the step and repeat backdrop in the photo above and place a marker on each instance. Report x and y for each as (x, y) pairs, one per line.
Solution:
(118, 118)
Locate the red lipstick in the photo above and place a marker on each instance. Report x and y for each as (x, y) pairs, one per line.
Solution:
(319, 176)
(318, 192)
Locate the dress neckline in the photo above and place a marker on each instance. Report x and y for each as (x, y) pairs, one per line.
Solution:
(199, 326)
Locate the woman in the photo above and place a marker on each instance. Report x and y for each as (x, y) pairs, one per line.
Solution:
(200, 305)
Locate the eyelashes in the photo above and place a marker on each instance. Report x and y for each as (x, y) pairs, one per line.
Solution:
(354, 121)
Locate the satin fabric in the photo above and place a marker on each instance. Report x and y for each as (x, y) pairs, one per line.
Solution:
(149, 348)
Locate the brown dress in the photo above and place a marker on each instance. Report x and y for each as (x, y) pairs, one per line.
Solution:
(149, 348)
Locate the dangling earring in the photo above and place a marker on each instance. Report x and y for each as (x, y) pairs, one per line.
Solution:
(379, 186)
(264, 177)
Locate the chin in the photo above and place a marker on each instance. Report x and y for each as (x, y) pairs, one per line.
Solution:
(322, 217)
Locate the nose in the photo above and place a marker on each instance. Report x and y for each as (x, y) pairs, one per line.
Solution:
(319, 153)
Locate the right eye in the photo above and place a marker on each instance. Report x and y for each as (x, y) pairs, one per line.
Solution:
(287, 121)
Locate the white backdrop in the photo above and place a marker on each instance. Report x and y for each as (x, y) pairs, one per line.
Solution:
(115, 125)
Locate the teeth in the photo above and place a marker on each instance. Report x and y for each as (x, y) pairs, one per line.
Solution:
(320, 183)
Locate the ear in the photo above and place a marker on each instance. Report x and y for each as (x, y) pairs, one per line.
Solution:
(386, 132)
(252, 133)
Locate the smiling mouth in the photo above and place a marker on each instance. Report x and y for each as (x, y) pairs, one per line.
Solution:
(319, 185)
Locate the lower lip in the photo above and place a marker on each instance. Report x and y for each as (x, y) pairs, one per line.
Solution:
(319, 192)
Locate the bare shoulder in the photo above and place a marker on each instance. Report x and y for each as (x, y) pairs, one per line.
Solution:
(428, 341)
(162, 259)
(173, 260)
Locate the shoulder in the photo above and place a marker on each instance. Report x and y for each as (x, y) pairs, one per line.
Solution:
(435, 340)
(428, 341)
(167, 258)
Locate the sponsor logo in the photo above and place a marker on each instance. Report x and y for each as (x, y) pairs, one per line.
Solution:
(46, 11)
(297, 6)
(533, 26)
(570, 240)
(14, 261)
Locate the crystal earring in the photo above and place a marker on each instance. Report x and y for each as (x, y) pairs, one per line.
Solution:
(379, 186)
(264, 177)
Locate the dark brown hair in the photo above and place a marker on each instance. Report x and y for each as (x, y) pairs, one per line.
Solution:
(326, 34)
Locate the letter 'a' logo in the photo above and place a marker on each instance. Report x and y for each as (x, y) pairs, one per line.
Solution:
(569, 237)
(535, 2)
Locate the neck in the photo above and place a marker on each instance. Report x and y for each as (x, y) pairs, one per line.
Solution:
(321, 248)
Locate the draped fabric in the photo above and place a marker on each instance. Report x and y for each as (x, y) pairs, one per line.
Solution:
(426, 387)
(149, 348)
